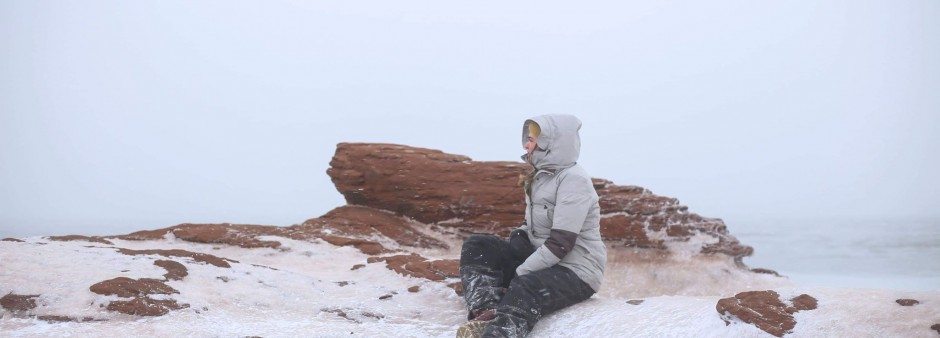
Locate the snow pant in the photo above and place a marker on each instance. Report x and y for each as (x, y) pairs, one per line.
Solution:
(488, 273)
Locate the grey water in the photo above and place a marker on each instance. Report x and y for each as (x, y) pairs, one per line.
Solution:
(884, 254)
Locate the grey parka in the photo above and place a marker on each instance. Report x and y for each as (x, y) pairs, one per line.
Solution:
(562, 213)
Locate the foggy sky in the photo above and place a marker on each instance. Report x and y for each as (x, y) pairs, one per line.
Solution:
(117, 116)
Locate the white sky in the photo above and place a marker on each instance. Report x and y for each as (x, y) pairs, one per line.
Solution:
(117, 116)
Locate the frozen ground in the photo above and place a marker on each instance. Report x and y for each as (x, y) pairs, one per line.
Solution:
(301, 288)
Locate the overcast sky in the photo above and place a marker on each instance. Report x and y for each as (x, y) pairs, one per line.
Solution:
(118, 116)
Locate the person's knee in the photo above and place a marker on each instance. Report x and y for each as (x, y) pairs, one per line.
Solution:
(477, 241)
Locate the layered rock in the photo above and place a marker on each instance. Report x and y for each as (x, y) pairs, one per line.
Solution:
(454, 191)
(174, 270)
(415, 265)
(907, 302)
(94, 239)
(765, 310)
(18, 303)
(139, 290)
(354, 226)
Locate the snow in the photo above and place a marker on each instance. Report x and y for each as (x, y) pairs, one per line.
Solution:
(295, 290)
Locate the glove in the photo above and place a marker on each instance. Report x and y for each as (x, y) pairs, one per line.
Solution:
(519, 244)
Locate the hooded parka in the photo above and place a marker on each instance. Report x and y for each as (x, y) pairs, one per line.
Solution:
(562, 210)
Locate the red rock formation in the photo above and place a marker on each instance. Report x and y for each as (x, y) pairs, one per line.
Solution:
(174, 270)
(138, 290)
(428, 185)
(199, 257)
(145, 306)
(18, 303)
(935, 327)
(416, 266)
(907, 302)
(765, 271)
(765, 310)
(343, 313)
(242, 235)
(22, 304)
(8, 239)
(129, 287)
(453, 191)
(803, 302)
(358, 221)
(95, 239)
(60, 319)
(344, 226)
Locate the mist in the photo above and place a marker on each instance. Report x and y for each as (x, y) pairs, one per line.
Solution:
(119, 116)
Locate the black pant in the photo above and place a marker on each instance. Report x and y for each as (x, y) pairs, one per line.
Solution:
(488, 273)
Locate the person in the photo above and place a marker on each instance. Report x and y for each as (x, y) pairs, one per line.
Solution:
(556, 258)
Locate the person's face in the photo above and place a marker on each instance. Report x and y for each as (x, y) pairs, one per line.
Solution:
(530, 145)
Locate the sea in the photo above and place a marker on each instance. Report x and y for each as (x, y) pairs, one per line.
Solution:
(882, 254)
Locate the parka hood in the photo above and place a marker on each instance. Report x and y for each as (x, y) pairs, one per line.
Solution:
(559, 143)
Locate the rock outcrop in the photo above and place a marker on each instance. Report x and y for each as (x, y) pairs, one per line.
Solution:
(94, 239)
(907, 302)
(390, 189)
(765, 310)
(139, 290)
(454, 191)
(174, 270)
(198, 257)
(415, 265)
(18, 303)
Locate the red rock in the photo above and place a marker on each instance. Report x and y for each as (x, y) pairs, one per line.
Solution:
(416, 266)
(344, 226)
(95, 239)
(458, 288)
(935, 327)
(242, 235)
(907, 302)
(128, 287)
(343, 314)
(453, 191)
(358, 221)
(414, 289)
(60, 319)
(18, 303)
(804, 302)
(174, 270)
(429, 185)
(12, 240)
(139, 290)
(199, 257)
(764, 310)
(630, 230)
(338, 312)
(145, 306)
(765, 271)
(366, 246)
